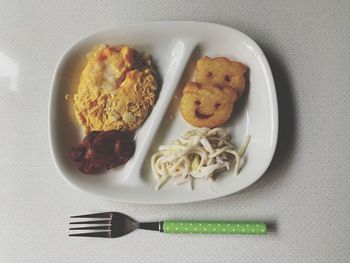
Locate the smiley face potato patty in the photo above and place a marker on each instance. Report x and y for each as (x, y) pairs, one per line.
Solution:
(208, 102)
(221, 71)
(207, 105)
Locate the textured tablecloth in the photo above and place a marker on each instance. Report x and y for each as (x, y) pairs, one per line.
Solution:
(305, 192)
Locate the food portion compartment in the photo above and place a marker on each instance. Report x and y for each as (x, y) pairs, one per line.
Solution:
(169, 58)
(253, 115)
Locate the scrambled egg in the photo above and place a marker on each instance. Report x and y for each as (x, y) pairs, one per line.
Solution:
(117, 89)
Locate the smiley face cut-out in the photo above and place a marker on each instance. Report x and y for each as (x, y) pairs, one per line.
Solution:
(221, 71)
(207, 105)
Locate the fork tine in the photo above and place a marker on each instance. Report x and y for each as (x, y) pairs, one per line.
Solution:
(91, 228)
(98, 215)
(103, 222)
(93, 234)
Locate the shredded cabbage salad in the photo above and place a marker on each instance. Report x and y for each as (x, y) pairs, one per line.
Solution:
(199, 153)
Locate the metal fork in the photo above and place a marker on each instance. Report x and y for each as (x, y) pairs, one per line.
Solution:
(115, 224)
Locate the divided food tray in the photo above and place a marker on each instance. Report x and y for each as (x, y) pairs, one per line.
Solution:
(175, 46)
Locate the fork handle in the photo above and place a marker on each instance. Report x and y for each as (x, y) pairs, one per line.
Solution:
(214, 227)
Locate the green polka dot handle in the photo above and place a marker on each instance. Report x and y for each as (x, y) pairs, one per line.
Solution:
(214, 227)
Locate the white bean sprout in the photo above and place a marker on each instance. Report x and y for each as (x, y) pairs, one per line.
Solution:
(199, 153)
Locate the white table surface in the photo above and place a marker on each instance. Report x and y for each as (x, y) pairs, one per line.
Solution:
(305, 192)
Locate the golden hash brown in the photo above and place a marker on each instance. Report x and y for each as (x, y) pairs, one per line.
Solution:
(221, 71)
(207, 105)
(117, 89)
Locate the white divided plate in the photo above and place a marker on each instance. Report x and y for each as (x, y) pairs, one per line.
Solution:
(175, 46)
